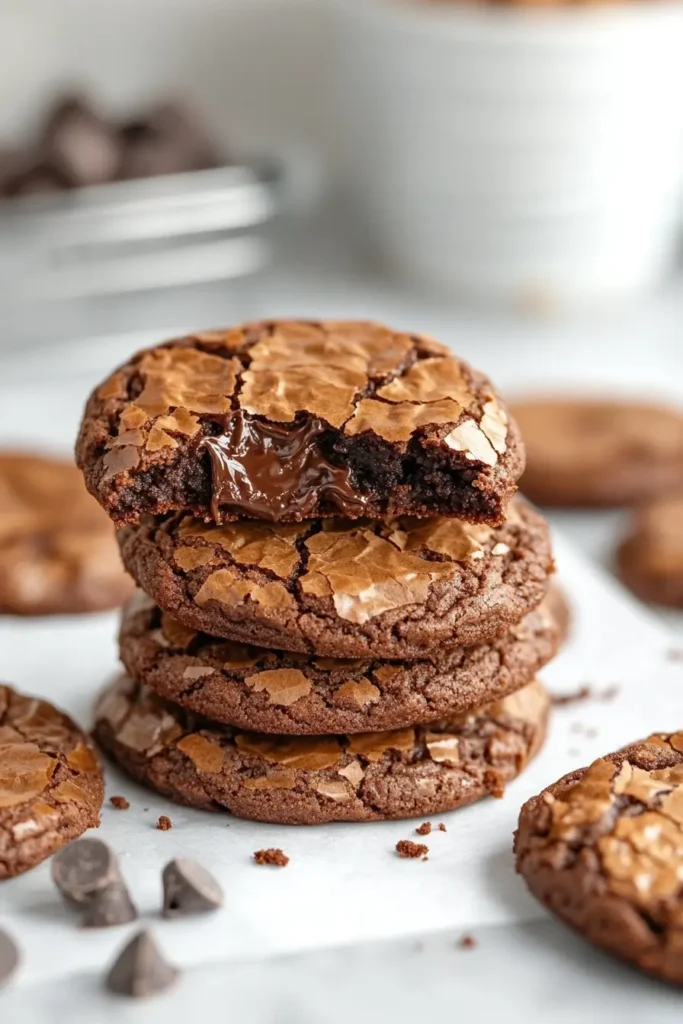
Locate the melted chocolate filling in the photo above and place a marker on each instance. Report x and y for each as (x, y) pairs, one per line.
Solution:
(270, 471)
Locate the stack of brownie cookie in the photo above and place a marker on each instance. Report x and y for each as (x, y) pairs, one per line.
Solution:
(344, 609)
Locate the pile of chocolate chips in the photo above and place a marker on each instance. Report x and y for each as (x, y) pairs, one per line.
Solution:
(77, 146)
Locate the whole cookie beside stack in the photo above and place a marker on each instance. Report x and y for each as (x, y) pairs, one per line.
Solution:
(319, 513)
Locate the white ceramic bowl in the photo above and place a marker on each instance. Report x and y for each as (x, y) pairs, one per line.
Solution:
(517, 153)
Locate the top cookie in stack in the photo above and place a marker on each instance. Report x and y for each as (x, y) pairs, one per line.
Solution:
(338, 491)
(286, 421)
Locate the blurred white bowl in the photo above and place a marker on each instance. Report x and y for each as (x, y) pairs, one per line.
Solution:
(515, 153)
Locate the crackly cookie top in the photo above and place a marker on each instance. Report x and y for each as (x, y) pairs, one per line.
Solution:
(147, 725)
(45, 761)
(629, 809)
(57, 547)
(364, 568)
(296, 693)
(264, 400)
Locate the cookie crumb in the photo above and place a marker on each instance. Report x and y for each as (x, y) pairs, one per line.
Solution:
(610, 692)
(410, 850)
(164, 823)
(495, 784)
(442, 827)
(119, 802)
(424, 829)
(560, 699)
(276, 858)
(674, 654)
(467, 942)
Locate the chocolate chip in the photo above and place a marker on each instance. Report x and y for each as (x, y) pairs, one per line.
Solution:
(110, 907)
(9, 958)
(84, 868)
(140, 970)
(189, 889)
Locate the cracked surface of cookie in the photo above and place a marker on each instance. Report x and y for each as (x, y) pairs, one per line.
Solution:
(603, 850)
(585, 453)
(396, 589)
(315, 779)
(650, 558)
(51, 785)
(289, 420)
(57, 549)
(280, 692)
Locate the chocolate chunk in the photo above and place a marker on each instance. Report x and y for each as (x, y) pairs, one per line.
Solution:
(140, 970)
(275, 472)
(110, 907)
(84, 869)
(9, 958)
(189, 889)
(168, 140)
(80, 145)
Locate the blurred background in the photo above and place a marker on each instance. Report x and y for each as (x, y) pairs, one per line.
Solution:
(507, 176)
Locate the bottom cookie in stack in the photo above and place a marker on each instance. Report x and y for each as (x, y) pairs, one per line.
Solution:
(306, 780)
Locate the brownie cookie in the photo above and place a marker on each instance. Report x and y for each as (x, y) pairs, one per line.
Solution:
(396, 589)
(558, 607)
(57, 548)
(650, 558)
(310, 780)
(291, 420)
(590, 453)
(51, 785)
(603, 850)
(280, 692)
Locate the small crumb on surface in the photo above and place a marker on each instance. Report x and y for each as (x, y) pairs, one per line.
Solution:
(410, 850)
(119, 802)
(164, 823)
(442, 827)
(275, 858)
(424, 829)
(467, 942)
(674, 654)
(591, 733)
(610, 692)
(561, 699)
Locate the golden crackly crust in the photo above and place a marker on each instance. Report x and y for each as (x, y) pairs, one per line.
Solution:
(394, 589)
(314, 779)
(51, 785)
(279, 692)
(603, 849)
(362, 380)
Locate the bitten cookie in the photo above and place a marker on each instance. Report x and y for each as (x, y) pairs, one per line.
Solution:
(57, 549)
(397, 589)
(316, 779)
(589, 453)
(290, 420)
(51, 785)
(650, 558)
(603, 850)
(279, 692)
